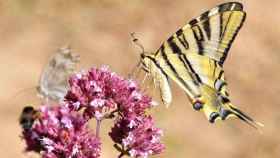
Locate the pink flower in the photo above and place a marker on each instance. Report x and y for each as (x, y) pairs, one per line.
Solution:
(100, 91)
(60, 133)
(140, 140)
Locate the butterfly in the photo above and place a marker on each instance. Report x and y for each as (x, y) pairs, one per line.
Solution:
(193, 58)
(53, 81)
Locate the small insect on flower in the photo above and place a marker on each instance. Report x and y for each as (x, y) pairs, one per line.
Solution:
(27, 117)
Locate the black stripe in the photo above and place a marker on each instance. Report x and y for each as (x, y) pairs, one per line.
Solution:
(179, 32)
(221, 8)
(224, 7)
(221, 86)
(241, 113)
(223, 99)
(163, 53)
(214, 72)
(199, 34)
(174, 47)
(206, 27)
(223, 58)
(191, 68)
(226, 93)
(198, 41)
(227, 6)
(193, 22)
(158, 66)
(220, 74)
(206, 24)
(182, 39)
(184, 60)
(185, 41)
(204, 16)
(221, 26)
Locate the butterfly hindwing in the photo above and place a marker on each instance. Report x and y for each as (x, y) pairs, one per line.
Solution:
(162, 82)
(193, 57)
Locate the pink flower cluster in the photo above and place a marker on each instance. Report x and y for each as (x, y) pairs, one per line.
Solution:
(138, 139)
(97, 94)
(100, 91)
(60, 133)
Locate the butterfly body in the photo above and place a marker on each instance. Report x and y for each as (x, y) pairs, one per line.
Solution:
(193, 58)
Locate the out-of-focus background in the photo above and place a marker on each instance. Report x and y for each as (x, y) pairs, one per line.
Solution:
(32, 30)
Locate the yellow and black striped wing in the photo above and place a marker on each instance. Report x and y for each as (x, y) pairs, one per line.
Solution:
(193, 57)
(197, 51)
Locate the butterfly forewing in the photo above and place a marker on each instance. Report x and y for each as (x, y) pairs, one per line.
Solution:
(53, 82)
(193, 57)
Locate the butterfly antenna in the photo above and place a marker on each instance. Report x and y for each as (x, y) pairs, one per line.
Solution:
(136, 69)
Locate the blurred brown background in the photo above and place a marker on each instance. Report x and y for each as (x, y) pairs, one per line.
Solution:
(32, 30)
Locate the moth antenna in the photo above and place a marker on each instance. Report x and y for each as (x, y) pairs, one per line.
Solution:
(137, 42)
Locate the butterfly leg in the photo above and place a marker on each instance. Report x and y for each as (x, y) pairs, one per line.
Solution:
(155, 83)
(142, 85)
(150, 81)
